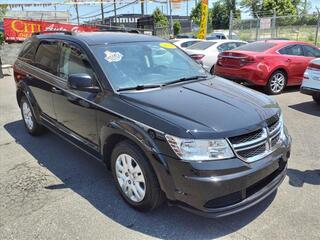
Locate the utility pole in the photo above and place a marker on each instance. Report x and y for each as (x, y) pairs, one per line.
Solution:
(146, 7)
(142, 8)
(230, 24)
(170, 20)
(115, 10)
(102, 13)
(77, 11)
(187, 7)
(318, 26)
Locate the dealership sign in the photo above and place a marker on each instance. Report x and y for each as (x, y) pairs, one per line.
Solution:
(19, 30)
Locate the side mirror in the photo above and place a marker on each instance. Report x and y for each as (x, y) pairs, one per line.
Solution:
(82, 82)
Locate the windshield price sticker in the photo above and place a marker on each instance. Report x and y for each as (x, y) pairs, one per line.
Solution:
(167, 45)
(112, 56)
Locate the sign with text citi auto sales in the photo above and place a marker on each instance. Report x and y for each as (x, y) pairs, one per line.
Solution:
(203, 21)
(19, 30)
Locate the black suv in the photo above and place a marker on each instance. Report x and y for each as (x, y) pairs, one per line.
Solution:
(165, 127)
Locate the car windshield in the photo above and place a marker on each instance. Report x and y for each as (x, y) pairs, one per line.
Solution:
(201, 45)
(136, 64)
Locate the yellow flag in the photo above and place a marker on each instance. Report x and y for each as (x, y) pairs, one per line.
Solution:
(203, 21)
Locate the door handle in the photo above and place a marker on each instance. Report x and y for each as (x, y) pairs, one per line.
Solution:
(55, 90)
(288, 60)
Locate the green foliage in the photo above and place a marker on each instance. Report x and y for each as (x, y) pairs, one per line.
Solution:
(196, 14)
(176, 28)
(266, 7)
(1, 38)
(3, 10)
(220, 14)
(160, 20)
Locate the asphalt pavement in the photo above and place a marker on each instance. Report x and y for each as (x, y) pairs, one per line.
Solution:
(49, 189)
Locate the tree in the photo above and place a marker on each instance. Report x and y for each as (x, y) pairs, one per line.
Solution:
(160, 20)
(3, 10)
(220, 14)
(266, 7)
(176, 28)
(196, 14)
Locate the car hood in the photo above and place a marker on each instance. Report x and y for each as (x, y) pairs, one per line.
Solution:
(210, 108)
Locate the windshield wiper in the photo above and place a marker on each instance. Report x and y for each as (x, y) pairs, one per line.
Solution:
(185, 79)
(139, 87)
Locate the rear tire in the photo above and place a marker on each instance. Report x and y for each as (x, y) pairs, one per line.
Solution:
(276, 83)
(32, 126)
(316, 98)
(134, 177)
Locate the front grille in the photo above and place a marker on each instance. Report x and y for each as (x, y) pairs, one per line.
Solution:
(259, 143)
(252, 152)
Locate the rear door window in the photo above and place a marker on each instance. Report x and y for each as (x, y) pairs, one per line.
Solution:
(47, 56)
(310, 51)
(294, 50)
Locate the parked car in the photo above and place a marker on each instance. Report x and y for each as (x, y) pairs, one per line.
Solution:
(207, 52)
(274, 64)
(185, 35)
(222, 35)
(311, 80)
(162, 124)
(184, 43)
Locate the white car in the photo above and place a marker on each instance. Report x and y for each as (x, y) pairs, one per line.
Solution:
(207, 51)
(311, 80)
(184, 43)
(222, 35)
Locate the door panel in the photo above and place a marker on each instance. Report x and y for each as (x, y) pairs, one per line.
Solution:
(42, 75)
(73, 108)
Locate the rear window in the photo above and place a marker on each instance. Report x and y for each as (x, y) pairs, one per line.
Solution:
(256, 47)
(202, 45)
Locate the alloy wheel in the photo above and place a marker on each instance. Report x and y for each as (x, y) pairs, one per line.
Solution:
(27, 115)
(277, 82)
(130, 177)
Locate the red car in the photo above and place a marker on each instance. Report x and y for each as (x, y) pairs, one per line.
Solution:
(274, 64)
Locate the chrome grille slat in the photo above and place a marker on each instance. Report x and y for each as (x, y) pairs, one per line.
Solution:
(253, 146)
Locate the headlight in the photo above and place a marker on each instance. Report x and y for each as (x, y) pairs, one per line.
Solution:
(200, 150)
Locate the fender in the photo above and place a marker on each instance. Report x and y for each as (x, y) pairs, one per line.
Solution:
(23, 89)
(144, 138)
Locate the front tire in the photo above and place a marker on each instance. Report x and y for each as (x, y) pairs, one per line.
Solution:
(277, 82)
(134, 177)
(316, 98)
(29, 120)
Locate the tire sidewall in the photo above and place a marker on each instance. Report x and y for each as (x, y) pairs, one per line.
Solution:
(130, 149)
(33, 130)
(269, 90)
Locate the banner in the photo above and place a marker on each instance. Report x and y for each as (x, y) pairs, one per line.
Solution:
(203, 21)
(19, 30)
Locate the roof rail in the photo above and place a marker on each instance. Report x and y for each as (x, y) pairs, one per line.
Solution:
(44, 32)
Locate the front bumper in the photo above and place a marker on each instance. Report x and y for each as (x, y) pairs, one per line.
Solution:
(220, 188)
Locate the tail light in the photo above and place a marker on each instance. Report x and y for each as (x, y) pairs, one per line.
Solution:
(247, 60)
(197, 57)
(314, 66)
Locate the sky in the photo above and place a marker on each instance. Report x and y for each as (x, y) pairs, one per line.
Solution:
(89, 10)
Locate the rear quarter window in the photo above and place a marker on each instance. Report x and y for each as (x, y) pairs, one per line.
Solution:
(28, 51)
(256, 47)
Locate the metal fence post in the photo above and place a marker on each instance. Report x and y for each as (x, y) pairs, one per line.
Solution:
(274, 33)
(257, 27)
(317, 30)
(230, 24)
(1, 73)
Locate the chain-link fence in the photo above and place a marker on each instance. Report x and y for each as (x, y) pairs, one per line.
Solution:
(295, 27)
